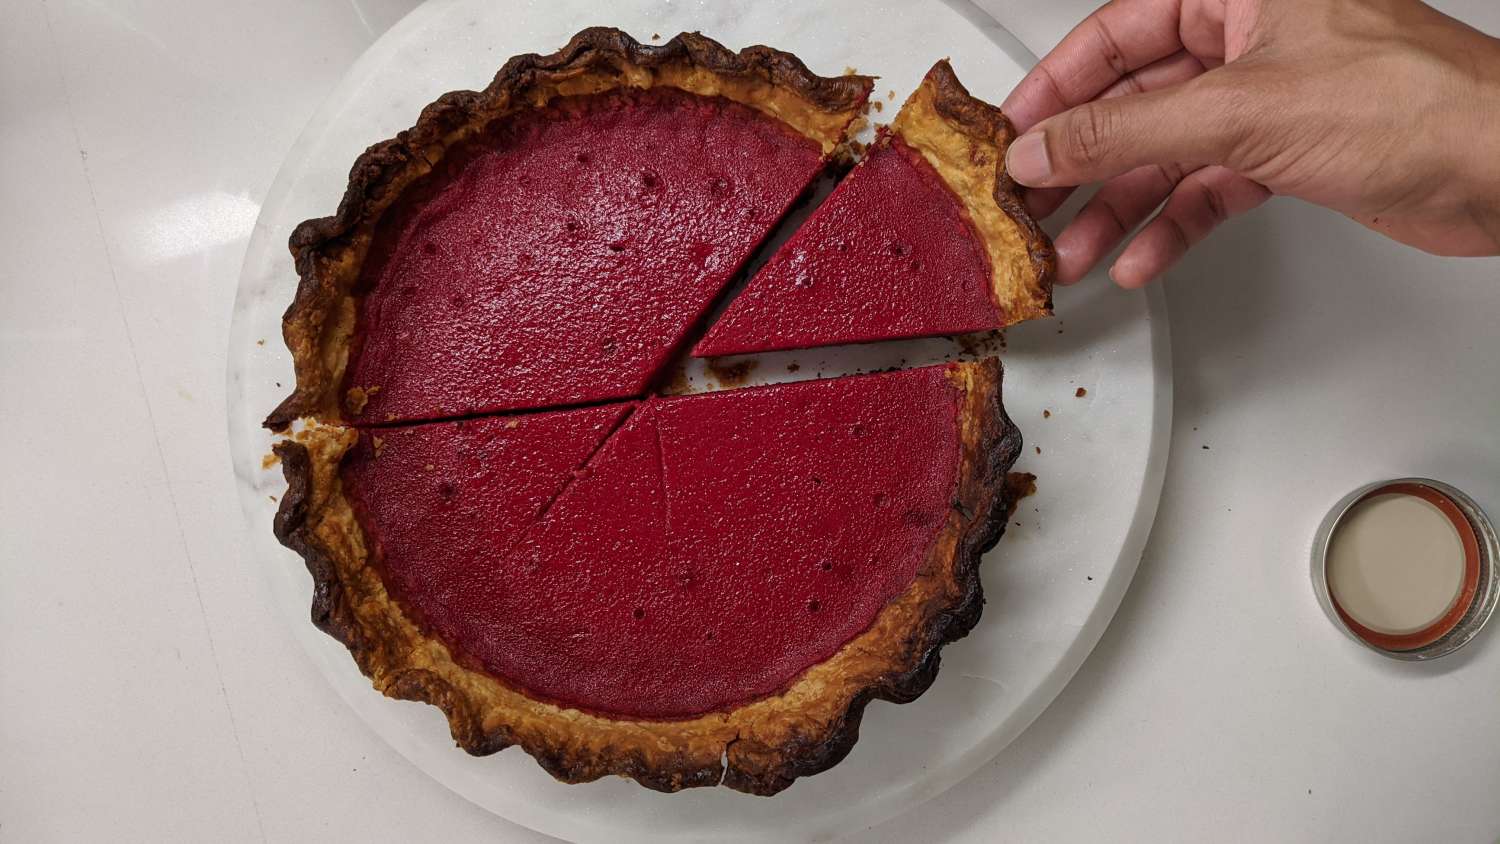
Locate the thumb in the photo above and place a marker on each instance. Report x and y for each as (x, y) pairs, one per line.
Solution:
(1192, 124)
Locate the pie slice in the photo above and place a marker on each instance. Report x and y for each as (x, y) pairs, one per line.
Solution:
(558, 615)
(926, 236)
(713, 599)
(550, 240)
(435, 497)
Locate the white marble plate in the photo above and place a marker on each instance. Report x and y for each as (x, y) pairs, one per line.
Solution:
(1054, 581)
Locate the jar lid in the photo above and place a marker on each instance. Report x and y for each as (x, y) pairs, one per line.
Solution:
(1406, 567)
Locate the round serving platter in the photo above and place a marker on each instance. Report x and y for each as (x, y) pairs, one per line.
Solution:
(1091, 391)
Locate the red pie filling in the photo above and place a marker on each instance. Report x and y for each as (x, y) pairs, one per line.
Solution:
(716, 547)
(890, 254)
(800, 511)
(435, 498)
(559, 258)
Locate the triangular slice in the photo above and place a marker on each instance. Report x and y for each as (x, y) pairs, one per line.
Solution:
(560, 616)
(714, 598)
(926, 236)
(435, 501)
(550, 240)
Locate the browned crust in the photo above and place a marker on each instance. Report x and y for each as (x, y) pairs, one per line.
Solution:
(760, 747)
(965, 139)
(329, 251)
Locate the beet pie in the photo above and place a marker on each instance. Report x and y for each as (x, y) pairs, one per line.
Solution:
(506, 518)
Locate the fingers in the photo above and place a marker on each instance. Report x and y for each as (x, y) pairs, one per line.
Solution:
(1164, 73)
(1202, 201)
(1042, 203)
(1202, 29)
(1119, 206)
(1178, 67)
(1195, 124)
(1119, 37)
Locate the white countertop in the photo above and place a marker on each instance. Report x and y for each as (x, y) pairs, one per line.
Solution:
(149, 692)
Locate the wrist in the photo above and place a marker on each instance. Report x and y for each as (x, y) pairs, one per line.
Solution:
(1482, 147)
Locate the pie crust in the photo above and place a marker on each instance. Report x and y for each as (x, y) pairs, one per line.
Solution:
(760, 747)
(329, 252)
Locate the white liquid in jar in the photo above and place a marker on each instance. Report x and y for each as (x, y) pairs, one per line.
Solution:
(1395, 563)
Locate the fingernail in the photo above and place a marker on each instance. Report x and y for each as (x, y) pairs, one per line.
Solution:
(1067, 256)
(1026, 160)
(1126, 273)
(1114, 273)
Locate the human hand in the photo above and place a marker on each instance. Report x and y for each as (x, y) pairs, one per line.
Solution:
(1385, 110)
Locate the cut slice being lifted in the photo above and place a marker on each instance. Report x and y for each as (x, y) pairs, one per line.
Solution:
(550, 240)
(715, 599)
(926, 236)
